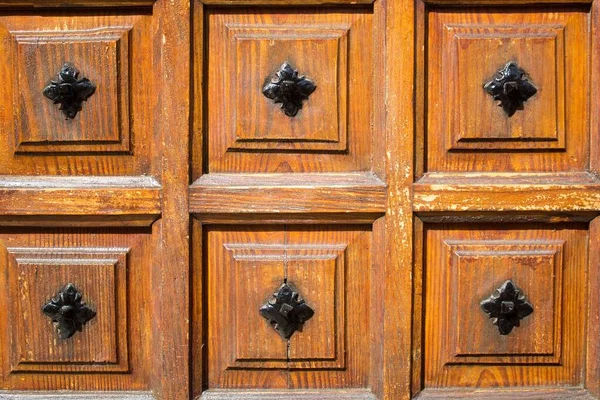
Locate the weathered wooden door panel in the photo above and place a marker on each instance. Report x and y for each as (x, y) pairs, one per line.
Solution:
(307, 199)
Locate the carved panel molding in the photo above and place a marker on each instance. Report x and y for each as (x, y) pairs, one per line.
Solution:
(100, 345)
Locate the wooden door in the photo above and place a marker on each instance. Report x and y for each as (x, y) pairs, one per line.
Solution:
(268, 199)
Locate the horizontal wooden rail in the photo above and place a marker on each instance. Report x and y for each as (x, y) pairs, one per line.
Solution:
(476, 192)
(81, 201)
(290, 194)
(75, 3)
(285, 2)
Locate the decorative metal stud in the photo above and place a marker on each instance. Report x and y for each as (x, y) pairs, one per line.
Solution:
(69, 91)
(286, 311)
(507, 307)
(67, 310)
(289, 89)
(510, 88)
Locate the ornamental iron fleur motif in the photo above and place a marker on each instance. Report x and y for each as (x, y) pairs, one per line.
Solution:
(67, 310)
(507, 307)
(69, 91)
(286, 311)
(510, 88)
(289, 89)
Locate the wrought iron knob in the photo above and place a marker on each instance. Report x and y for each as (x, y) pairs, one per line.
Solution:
(286, 311)
(69, 91)
(507, 307)
(289, 89)
(511, 88)
(67, 310)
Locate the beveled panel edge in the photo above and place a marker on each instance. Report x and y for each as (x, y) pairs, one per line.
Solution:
(59, 395)
(327, 394)
(285, 2)
(502, 2)
(288, 193)
(549, 393)
(545, 193)
(79, 201)
(74, 3)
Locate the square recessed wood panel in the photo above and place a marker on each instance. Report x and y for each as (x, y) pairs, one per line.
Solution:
(100, 275)
(111, 134)
(100, 55)
(329, 268)
(465, 125)
(486, 265)
(464, 266)
(319, 52)
(109, 268)
(247, 132)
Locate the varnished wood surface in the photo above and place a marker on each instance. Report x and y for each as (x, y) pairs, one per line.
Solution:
(285, 2)
(357, 394)
(74, 3)
(284, 193)
(129, 198)
(497, 192)
(550, 393)
(76, 396)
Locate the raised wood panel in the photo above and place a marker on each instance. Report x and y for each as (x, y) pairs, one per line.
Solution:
(103, 123)
(110, 268)
(328, 266)
(464, 126)
(38, 274)
(478, 267)
(464, 265)
(112, 134)
(320, 52)
(541, 125)
(247, 132)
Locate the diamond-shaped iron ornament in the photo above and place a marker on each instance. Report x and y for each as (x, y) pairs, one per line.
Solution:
(286, 311)
(510, 88)
(69, 91)
(507, 307)
(67, 310)
(289, 89)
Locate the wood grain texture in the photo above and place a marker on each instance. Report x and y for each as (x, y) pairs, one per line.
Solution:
(246, 132)
(574, 192)
(100, 275)
(43, 261)
(478, 276)
(326, 265)
(111, 135)
(397, 246)
(285, 2)
(465, 48)
(288, 193)
(348, 394)
(550, 393)
(119, 200)
(170, 279)
(74, 3)
(77, 396)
